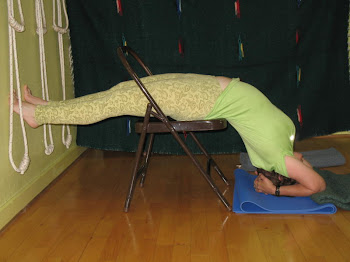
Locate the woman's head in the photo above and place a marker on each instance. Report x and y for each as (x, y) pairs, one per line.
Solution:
(276, 178)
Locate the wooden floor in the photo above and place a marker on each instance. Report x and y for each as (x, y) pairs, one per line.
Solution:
(175, 217)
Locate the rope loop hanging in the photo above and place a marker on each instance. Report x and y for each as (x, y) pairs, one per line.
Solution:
(13, 27)
(40, 18)
(18, 26)
(58, 26)
(60, 31)
(41, 30)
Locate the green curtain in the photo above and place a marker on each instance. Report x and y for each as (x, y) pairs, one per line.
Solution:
(208, 37)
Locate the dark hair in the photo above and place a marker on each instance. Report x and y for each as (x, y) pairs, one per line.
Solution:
(276, 178)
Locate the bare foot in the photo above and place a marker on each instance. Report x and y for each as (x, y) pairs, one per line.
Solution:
(28, 111)
(32, 99)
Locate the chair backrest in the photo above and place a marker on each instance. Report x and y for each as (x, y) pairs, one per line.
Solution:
(122, 50)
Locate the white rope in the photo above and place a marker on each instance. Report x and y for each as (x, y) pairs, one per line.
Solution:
(41, 30)
(60, 31)
(71, 61)
(58, 27)
(15, 26)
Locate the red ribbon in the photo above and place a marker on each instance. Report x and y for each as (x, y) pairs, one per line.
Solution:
(300, 115)
(181, 48)
(119, 7)
(297, 36)
(238, 9)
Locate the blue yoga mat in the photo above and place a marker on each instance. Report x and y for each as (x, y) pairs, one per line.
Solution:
(247, 200)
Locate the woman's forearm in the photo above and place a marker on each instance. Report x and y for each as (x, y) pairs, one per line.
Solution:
(296, 190)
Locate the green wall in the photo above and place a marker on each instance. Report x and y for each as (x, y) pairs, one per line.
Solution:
(17, 190)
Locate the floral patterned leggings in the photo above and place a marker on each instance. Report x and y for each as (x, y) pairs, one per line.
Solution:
(180, 96)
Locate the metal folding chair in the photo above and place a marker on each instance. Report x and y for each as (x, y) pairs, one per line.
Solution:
(164, 125)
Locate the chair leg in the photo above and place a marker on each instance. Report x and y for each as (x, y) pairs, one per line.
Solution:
(147, 157)
(210, 160)
(202, 171)
(135, 172)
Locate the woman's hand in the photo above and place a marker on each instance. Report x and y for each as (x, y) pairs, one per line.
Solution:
(264, 185)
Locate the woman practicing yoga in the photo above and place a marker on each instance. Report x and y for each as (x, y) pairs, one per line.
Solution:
(266, 131)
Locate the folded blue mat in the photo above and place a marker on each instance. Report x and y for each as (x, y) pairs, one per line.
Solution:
(247, 200)
(317, 158)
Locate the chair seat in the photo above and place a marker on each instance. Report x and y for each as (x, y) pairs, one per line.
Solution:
(183, 126)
